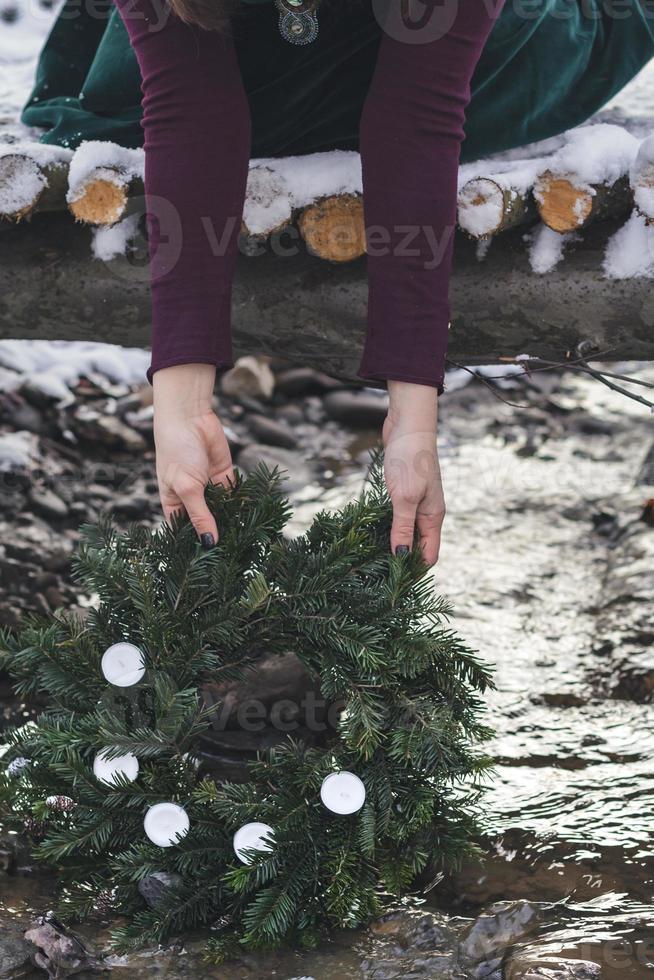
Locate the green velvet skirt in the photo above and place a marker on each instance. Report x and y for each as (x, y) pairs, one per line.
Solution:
(548, 65)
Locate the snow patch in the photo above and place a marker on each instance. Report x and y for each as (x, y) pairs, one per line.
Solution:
(54, 367)
(113, 240)
(546, 247)
(594, 154)
(630, 251)
(642, 177)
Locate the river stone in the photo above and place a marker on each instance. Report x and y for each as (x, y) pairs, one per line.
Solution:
(291, 413)
(501, 925)
(249, 376)
(527, 965)
(295, 472)
(20, 414)
(271, 432)
(360, 409)
(47, 503)
(154, 887)
(634, 680)
(304, 381)
(57, 950)
(15, 954)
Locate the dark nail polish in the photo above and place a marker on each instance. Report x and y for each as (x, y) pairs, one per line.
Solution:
(207, 541)
(402, 549)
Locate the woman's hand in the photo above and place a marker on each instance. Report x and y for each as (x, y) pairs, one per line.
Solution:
(411, 467)
(190, 444)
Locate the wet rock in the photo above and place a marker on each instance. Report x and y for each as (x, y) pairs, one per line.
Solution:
(249, 376)
(502, 925)
(359, 409)
(57, 950)
(271, 432)
(20, 414)
(592, 426)
(47, 503)
(295, 471)
(54, 597)
(251, 404)
(94, 425)
(635, 678)
(411, 928)
(99, 491)
(155, 887)
(44, 391)
(131, 506)
(15, 954)
(304, 381)
(291, 413)
(142, 421)
(417, 945)
(530, 966)
(10, 616)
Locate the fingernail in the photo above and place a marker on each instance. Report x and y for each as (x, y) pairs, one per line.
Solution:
(207, 540)
(402, 549)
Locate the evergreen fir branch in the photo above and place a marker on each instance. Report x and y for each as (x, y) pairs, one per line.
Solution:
(370, 629)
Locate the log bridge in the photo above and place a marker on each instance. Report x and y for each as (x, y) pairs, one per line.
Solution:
(311, 305)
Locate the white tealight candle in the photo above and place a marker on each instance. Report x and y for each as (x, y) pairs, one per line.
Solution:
(343, 793)
(106, 770)
(251, 835)
(164, 821)
(122, 664)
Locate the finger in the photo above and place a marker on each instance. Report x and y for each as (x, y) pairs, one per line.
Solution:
(430, 523)
(224, 477)
(404, 521)
(191, 494)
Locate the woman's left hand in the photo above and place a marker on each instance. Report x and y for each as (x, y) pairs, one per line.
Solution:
(411, 467)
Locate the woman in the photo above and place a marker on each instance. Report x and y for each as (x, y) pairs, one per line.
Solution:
(197, 150)
(388, 77)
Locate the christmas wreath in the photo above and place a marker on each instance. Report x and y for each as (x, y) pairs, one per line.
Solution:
(107, 780)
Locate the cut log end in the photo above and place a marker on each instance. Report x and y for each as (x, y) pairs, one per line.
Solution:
(22, 183)
(566, 206)
(562, 206)
(334, 228)
(102, 202)
(481, 207)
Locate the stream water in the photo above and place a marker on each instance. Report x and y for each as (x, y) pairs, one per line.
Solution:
(549, 562)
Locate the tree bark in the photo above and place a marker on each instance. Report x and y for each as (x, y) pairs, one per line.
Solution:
(313, 312)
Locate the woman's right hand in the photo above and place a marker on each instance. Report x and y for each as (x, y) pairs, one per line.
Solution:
(190, 443)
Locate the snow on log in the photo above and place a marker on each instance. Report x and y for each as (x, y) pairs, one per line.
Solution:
(102, 178)
(588, 178)
(334, 228)
(499, 198)
(32, 178)
(642, 180)
(268, 206)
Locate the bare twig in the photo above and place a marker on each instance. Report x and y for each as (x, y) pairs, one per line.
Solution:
(578, 362)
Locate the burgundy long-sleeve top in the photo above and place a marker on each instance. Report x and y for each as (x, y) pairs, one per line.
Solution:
(197, 132)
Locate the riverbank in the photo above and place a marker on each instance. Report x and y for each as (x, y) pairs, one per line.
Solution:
(547, 557)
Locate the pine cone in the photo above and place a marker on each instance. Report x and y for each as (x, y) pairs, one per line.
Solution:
(36, 829)
(105, 902)
(63, 804)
